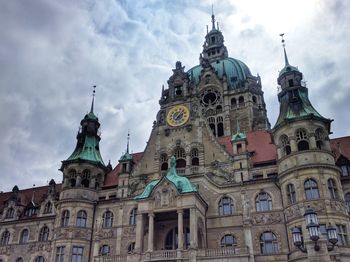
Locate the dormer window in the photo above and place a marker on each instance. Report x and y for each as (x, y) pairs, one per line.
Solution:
(178, 90)
(10, 213)
(290, 82)
(213, 39)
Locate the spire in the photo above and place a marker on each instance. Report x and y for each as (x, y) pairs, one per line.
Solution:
(93, 99)
(127, 144)
(284, 50)
(212, 17)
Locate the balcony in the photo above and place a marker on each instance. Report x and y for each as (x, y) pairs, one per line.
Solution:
(177, 255)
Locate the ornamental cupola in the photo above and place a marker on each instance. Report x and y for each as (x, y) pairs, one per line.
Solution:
(88, 138)
(213, 47)
(293, 96)
(85, 166)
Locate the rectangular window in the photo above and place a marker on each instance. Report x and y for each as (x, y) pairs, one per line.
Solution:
(323, 231)
(342, 235)
(59, 254)
(344, 170)
(77, 254)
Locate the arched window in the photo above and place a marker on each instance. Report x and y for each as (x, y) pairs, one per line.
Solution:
(254, 99)
(107, 219)
(132, 218)
(194, 157)
(72, 182)
(263, 202)
(105, 250)
(218, 109)
(268, 243)
(171, 240)
(39, 259)
(226, 206)
(20, 259)
(131, 247)
(347, 201)
(81, 219)
(65, 218)
(291, 196)
(228, 241)
(44, 234)
(311, 189)
(164, 162)
(24, 236)
(5, 238)
(302, 140)
(241, 101)
(48, 208)
(220, 126)
(180, 156)
(233, 103)
(286, 145)
(85, 182)
(211, 121)
(10, 213)
(319, 137)
(332, 187)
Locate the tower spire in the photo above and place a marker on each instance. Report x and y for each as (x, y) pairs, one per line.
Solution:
(212, 17)
(284, 50)
(128, 140)
(93, 99)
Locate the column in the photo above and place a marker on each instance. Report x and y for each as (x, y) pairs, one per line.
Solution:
(139, 233)
(193, 227)
(78, 181)
(293, 144)
(150, 232)
(92, 182)
(312, 140)
(180, 226)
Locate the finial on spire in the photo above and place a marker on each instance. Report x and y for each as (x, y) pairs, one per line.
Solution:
(212, 16)
(128, 139)
(284, 50)
(93, 99)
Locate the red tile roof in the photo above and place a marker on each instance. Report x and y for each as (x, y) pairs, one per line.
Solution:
(26, 195)
(341, 146)
(259, 142)
(111, 178)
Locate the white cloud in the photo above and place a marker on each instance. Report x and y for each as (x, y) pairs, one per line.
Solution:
(51, 54)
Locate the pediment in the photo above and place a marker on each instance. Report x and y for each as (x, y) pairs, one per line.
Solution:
(165, 194)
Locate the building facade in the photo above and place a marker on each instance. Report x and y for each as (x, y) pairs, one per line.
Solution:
(214, 183)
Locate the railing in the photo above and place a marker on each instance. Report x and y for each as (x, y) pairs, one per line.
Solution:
(221, 252)
(194, 169)
(163, 254)
(116, 258)
(180, 171)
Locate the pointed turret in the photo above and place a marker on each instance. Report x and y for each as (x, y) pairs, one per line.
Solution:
(88, 138)
(293, 97)
(213, 47)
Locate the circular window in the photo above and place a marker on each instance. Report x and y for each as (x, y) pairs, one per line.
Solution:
(210, 97)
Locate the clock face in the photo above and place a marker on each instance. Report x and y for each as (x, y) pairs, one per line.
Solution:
(178, 115)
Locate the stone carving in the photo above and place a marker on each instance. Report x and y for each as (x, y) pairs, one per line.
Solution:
(271, 218)
(164, 197)
(39, 247)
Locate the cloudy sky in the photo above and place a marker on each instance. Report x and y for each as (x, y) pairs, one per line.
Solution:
(53, 52)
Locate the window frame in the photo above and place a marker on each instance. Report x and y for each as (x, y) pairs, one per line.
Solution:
(133, 216)
(44, 234)
(107, 220)
(24, 237)
(311, 191)
(65, 218)
(59, 256)
(226, 206)
(77, 254)
(260, 200)
(267, 243)
(81, 220)
(332, 188)
(291, 194)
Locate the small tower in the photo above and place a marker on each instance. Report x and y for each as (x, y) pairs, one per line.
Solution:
(307, 174)
(240, 154)
(126, 163)
(85, 168)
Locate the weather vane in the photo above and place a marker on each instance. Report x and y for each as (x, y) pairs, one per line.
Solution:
(283, 41)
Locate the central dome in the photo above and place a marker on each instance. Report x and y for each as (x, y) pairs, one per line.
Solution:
(236, 71)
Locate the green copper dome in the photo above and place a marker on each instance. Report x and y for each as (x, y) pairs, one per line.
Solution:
(239, 136)
(288, 68)
(91, 116)
(126, 157)
(236, 71)
(182, 184)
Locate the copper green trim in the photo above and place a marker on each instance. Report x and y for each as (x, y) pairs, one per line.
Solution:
(301, 109)
(126, 157)
(236, 71)
(182, 184)
(88, 151)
